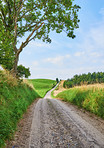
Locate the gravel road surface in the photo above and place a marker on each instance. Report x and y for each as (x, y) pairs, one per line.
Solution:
(56, 124)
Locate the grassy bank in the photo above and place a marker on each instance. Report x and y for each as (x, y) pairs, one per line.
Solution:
(42, 86)
(90, 98)
(15, 97)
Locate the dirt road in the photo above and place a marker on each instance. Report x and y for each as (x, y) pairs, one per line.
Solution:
(57, 125)
(51, 123)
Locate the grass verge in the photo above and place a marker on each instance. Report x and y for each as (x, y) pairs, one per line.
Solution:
(89, 98)
(15, 97)
(42, 86)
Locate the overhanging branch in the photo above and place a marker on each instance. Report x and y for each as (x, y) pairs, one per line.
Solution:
(28, 38)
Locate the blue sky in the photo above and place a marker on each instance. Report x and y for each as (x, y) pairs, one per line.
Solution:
(65, 57)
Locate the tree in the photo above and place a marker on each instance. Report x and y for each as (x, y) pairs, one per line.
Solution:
(57, 80)
(85, 79)
(6, 58)
(38, 17)
(6, 49)
(23, 72)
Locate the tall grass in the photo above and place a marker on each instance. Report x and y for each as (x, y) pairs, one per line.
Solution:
(90, 98)
(42, 86)
(15, 97)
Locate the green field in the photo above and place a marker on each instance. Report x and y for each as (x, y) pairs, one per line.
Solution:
(42, 86)
(89, 98)
(15, 98)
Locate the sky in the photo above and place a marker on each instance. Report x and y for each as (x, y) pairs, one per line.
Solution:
(65, 57)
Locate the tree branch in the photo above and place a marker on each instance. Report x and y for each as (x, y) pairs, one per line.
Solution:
(34, 36)
(30, 26)
(24, 14)
(8, 6)
(27, 40)
(3, 17)
(15, 27)
(15, 22)
(36, 28)
(3, 21)
(21, 4)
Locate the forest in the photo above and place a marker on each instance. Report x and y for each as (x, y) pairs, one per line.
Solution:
(82, 79)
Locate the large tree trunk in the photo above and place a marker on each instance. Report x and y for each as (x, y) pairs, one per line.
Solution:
(14, 70)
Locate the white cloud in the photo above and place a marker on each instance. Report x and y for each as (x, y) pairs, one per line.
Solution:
(78, 54)
(102, 11)
(103, 62)
(57, 60)
(97, 36)
(67, 56)
(35, 63)
(95, 54)
(92, 42)
(38, 44)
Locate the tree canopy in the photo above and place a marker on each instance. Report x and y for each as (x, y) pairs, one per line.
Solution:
(23, 72)
(38, 17)
(57, 80)
(85, 79)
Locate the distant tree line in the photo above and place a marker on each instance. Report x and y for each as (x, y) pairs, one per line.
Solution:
(89, 78)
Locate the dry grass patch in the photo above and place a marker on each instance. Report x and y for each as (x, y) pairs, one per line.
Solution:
(59, 88)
